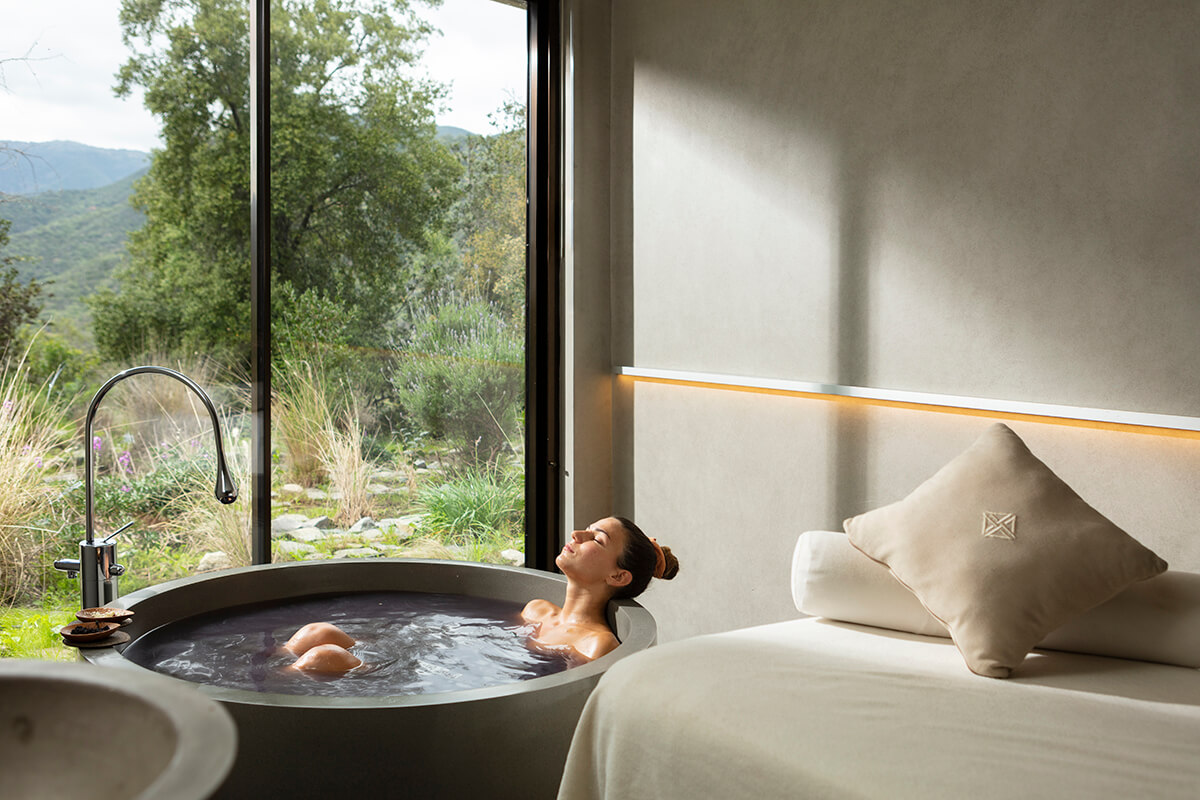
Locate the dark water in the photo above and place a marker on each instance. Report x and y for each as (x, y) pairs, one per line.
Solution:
(409, 642)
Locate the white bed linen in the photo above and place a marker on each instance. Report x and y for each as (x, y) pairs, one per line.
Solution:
(817, 709)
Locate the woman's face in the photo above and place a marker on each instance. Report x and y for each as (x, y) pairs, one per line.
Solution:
(590, 555)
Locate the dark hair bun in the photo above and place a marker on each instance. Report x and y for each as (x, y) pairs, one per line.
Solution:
(671, 568)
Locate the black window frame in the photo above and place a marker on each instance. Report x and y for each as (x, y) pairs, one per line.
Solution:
(543, 418)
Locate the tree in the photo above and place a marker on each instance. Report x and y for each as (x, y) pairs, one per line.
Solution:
(490, 215)
(20, 303)
(359, 182)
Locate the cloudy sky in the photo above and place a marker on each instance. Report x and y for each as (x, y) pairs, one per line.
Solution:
(64, 90)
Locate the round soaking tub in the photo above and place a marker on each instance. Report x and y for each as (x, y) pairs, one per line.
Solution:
(501, 741)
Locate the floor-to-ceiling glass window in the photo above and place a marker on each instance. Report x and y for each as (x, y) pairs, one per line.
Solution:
(398, 291)
(399, 307)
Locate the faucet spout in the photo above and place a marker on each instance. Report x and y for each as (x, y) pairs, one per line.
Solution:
(97, 562)
(225, 490)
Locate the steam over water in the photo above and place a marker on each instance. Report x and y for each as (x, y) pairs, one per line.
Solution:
(409, 642)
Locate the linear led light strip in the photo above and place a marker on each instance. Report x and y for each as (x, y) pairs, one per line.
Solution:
(1135, 421)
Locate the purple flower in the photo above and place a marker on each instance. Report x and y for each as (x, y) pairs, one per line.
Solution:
(126, 461)
(126, 488)
(96, 442)
(37, 462)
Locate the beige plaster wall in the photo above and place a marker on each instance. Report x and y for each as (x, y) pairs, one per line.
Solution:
(992, 199)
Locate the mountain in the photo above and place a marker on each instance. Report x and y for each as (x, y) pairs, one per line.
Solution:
(74, 238)
(32, 167)
(449, 134)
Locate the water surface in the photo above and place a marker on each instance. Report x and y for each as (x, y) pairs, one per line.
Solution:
(409, 642)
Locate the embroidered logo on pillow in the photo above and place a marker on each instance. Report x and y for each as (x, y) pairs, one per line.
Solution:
(999, 525)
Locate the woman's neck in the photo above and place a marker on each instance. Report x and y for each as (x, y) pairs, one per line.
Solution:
(586, 604)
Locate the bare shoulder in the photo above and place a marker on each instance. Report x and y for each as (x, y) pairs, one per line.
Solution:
(538, 610)
(595, 644)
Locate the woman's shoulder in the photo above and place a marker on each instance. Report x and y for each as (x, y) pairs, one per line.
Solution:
(536, 610)
(596, 643)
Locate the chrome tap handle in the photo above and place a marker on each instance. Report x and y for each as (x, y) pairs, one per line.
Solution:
(116, 570)
(68, 565)
(121, 529)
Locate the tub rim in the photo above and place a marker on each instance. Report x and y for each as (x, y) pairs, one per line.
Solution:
(634, 625)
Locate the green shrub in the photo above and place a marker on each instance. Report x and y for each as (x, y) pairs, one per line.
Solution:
(63, 369)
(480, 502)
(462, 376)
(155, 493)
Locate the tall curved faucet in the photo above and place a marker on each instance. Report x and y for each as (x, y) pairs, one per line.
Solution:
(97, 560)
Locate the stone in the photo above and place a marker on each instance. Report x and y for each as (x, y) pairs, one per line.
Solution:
(309, 535)
(323, 523)
(357, 552)
(379, 488)
(514, 557)
(291, 488)
(286, 523)
(373, 535)
(364, 524)
(294, 548)
(315, 494)
(214, 561)
(419, 463)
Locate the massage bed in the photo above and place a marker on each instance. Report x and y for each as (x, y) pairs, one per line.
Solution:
(817, 709)
(917, 676)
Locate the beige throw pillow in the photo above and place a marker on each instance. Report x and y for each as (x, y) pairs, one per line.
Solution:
(1001, 551)
(1157, 619)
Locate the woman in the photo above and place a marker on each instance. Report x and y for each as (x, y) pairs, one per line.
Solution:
(609, 560)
